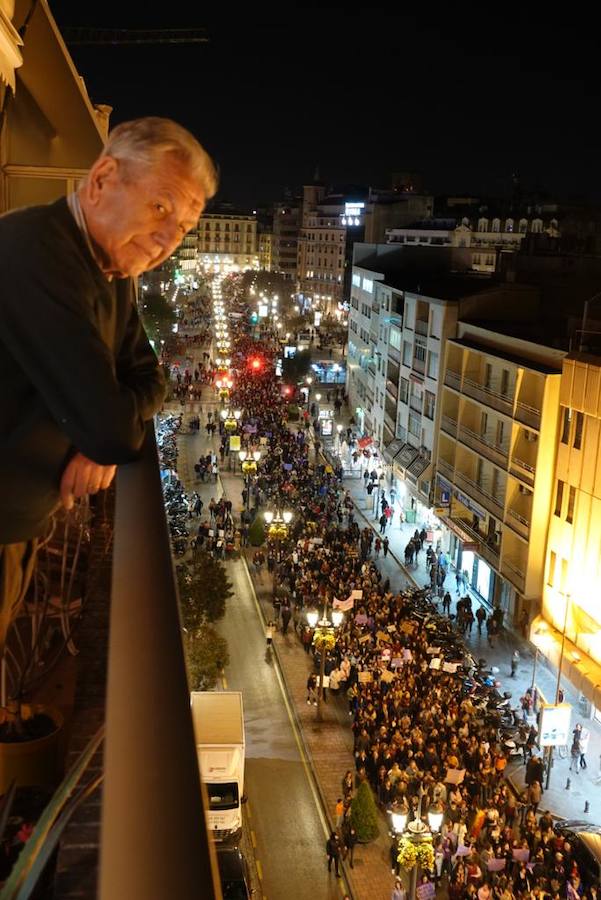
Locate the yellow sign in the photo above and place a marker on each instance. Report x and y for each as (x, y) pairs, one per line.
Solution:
(235, 442)
(441, 511)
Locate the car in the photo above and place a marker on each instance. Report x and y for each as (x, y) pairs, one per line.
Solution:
(233, 870)
(585, 839)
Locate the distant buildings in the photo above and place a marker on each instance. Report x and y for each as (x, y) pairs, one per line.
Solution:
(227, 240)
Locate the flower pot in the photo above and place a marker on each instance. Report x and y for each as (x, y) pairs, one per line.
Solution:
(33, 762)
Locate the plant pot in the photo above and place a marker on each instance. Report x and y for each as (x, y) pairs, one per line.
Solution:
(33, 762)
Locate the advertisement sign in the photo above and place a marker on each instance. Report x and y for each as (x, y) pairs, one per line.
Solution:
(234, 442)
(289, 352)
(555, 725)
(263, 310)
(326, 427)
(317, 320)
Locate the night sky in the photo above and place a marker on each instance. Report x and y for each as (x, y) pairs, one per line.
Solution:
(465, 101)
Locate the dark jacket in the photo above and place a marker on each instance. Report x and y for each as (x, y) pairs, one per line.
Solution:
(76, 369)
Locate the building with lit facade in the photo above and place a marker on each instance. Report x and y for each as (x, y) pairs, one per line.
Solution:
(572, 564)
(227, 241)
(321, 248)
(265, 240)
(484, 238)
(495, 461)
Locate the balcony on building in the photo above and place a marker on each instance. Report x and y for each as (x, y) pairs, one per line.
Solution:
(514, 563)
(485, 432)
(445, 462)
(519, 507)
(529, 399)
(486, 379)
(479, 527)
(481, 480)
(522, 463)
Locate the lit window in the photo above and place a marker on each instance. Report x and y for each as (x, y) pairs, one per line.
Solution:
(565, 426)
(558, 498)
(571, 505)
(552, 564)
(578, 426)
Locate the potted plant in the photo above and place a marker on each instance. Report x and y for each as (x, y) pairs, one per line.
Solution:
(364, 814)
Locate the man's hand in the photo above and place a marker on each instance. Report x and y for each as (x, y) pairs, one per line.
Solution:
(83, 476)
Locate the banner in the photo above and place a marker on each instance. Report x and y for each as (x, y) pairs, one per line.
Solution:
(344, 605)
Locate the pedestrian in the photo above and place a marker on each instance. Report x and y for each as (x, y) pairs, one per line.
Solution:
(398, 892)
(339, 812)
(312, 689)
(383, 523)
(446, 603)
(270, 629)
(480, 617)
(79, 375)
(349, 837)
(584, 739)
(385, 545)
(515, 659)
(286, 614)
(333, 852)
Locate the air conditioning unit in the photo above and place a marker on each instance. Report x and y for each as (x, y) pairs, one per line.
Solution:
(531, 436)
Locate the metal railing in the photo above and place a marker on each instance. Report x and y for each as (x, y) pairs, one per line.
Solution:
(528, 415)
(490, 552)
(518, 523)
(445, 468)
(480, 493)
(488, 395)
(154, 842)
(449, 425)
(453, 379)
(514, 573)
(495, 452)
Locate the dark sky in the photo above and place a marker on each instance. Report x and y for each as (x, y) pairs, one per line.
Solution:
(366, 94)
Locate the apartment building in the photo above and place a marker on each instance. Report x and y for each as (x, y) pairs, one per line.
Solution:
(322, 245)
(286, 223)
(572, 564)
(227, 241)
(485, 238)
(495, 461)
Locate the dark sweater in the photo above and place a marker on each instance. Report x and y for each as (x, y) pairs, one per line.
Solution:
(76, 370)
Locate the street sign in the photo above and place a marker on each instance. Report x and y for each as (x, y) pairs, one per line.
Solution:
(555, 725)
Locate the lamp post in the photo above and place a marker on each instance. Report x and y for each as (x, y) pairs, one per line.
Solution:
(417, 832)
(558, 687)
(278, 525)
(324, 636)
(309, 382)
(248, 462)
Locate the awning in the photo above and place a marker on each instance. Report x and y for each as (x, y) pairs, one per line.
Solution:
(405, 456)
(579, 668)
(418, 467)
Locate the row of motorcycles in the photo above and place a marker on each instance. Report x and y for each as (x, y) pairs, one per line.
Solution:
(480, 683)
(176, 501)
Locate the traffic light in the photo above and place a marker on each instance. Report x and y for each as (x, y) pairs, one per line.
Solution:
(255, 363)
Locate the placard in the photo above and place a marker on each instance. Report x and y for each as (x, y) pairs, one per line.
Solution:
(234, 443)
(521, 854)
(425, 891)
(382, 636)
(364, 638)
(396, 662)
(407, 627)
(386, 676)
(357, 595)
(365, 677)
(450, 667)
(325, 681)
(433, 651)
(435, 662)
(496, 865)
(390, 628)
(455, 776)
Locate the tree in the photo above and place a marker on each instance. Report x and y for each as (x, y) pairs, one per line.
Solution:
(158, 317)
(364, 815)
(203, 590)
(256, 532)
(207, 655)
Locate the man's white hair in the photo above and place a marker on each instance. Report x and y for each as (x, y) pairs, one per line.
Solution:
(146, 141)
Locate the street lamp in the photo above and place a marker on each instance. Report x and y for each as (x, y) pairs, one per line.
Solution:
(278, 522)
(418, 833)
(324, 639)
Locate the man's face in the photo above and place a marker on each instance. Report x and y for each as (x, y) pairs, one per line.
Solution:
(137, 217)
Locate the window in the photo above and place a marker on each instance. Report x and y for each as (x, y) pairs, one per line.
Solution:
(565, 427)
(504, 382)
(404, 391)
(429, 405)
(500, 433)
(414, 425)
(356, 279)
(552, 565)
(558, 498)
(571, 504)
(578, 430)
(407, 353)
(395, 338)
(420, 352)
(432, 365)
(368, 285)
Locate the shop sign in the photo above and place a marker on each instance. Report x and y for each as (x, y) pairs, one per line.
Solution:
(441, 511)
(470, 504)
(555, 725)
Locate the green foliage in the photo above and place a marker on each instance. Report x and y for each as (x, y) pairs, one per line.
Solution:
(158, 317)
(203, 590)
(293, 412)
(256, 532)
(364, 814)
(297, 366)
(207, 655)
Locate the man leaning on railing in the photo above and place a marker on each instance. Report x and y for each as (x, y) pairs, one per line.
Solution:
(79, 378)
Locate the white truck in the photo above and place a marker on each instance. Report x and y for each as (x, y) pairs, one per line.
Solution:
(219, 733)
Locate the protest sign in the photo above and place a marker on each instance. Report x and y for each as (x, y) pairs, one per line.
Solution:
(365, 677)
(455, 776)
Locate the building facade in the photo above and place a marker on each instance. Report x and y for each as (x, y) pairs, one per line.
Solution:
(227, 241)
(495, 461)
(286, 223)
(572, 565)
(266, 250)
(321, 249)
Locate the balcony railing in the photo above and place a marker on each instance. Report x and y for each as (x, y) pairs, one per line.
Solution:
(453, 379)
(518, 522)
(521, 469)
(445, 468)
(488, 395)
(528, 415)
(421, 327)
(154, 841)
(488, 551)
(448, 425)
(480, 493)
(514, 573)
(495, 452)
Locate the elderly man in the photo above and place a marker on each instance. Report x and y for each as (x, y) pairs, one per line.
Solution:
(79, 378)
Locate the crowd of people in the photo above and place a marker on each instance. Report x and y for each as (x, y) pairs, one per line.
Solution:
(412, 754)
